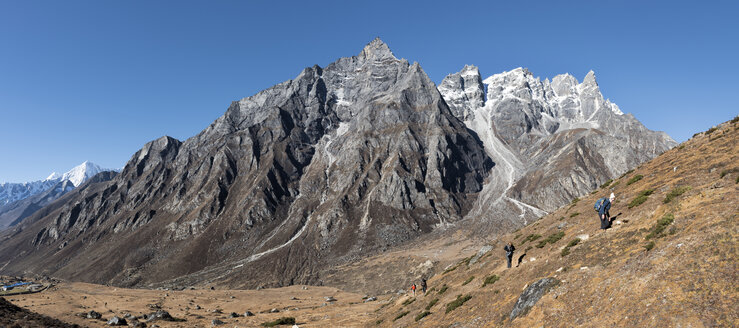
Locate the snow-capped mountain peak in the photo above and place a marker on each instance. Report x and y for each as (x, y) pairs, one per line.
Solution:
(82, 172)
(53, 176)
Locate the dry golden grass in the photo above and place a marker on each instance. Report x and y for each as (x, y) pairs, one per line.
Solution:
(609, 279)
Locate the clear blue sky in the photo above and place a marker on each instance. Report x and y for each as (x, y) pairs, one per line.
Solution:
(95, 80)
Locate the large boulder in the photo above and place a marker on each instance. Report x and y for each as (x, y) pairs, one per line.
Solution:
(531, 295)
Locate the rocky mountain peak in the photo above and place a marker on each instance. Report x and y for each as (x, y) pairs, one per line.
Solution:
(590, 80)
(376, 50)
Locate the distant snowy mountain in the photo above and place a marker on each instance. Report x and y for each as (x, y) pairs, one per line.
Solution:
(19, 200)
(82, 172)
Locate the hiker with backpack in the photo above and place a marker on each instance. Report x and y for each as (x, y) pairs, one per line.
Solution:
(423, 286)
(509, 252)
(602, 206)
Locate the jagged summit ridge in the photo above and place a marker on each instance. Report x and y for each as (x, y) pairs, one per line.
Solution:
(376, 50)
(536, 128)
(340, 161)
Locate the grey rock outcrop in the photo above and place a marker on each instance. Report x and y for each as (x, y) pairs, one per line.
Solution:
(553, 141)
(116, 321)
(531, 295)
(321, 169)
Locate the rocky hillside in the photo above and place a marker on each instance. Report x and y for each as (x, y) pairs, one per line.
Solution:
(340, 163)
(669, 259)
(553, 140)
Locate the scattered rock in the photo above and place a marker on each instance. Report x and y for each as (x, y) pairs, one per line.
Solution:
(531, 295)
(159, 315)
(248, 314)
(583, 237)
(197, 307)
(116, 321)
(561, 225)
(274, 311)
(232, 297)
(330, 299)
(583, 268)
(484, 250)
(560, 269)
(370, 299)
(293, 298)
(216, 322)
(233, 315)
(305, 288)
(217, 311)
(94, 315)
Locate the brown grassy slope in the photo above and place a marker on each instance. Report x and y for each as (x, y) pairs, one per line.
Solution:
(14, 316)
(610, 280)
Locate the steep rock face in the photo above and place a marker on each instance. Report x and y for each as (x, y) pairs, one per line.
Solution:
(324, 168)
(553, 140)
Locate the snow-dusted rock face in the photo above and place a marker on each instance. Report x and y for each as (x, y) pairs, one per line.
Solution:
(341, 161)
(553, 140)
(20, 200)
(11, 192)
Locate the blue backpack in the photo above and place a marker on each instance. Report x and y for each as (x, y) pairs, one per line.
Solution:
(599, 204)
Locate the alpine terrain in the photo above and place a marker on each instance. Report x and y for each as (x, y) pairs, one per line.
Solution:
(20, 200)
(340, 163)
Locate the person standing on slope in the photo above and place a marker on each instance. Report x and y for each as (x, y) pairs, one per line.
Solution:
(604, 214)
(413, 288)
(423, 286)
(509, 252)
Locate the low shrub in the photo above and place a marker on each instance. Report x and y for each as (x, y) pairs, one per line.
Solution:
(551, 239)
(677, 191)
(574, 214)
(409, 301)
(280, 321)
(735, 119)
(649, 246)
(572, 243)
(422, 315)
(489, 280)
(660, 226)
(634, 179)
(711, 130)
(401, 314)
(531, 237)
(443, 289)
(457, 303)
(379, 321)
(468, 280)
(432, 303)
(606, 184)
(641, 198)
(574, 201)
